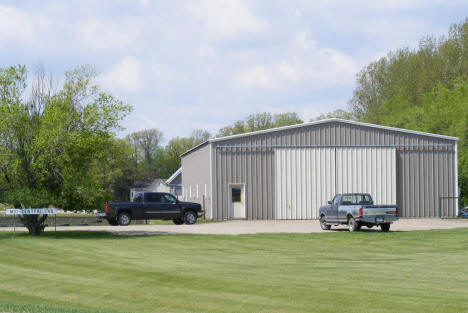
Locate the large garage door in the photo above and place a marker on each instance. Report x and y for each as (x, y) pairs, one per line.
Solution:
(306, 178)
(370, 170)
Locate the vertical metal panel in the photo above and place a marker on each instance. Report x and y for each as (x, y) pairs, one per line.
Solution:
(370, 170)
(196, 172)
(305, 180)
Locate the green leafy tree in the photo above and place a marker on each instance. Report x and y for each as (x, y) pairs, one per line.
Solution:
(144, 144)
(171, 155)
(260, 121)
(346, 115)
(423, 89)
(56, 149)
(408, 74)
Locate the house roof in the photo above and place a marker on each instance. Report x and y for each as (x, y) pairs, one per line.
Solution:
(325, 121)
(173, 176)
(147, 183)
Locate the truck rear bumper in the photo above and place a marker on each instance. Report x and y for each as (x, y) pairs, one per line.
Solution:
(201, 213)
(378, 219)
(104, 215)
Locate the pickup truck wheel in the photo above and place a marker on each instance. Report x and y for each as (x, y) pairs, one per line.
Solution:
(190, 217)
(385, 227)
(178, 221)
(323, 224)
(124, 219)
(112, 221)
(352, 225)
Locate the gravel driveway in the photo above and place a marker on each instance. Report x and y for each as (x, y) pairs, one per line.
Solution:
(254, 227)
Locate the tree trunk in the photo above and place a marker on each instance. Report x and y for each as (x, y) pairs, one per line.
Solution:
(34, 223)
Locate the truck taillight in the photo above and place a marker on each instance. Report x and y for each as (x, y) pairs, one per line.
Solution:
(396, 211)
(107, 206)
(360, 212)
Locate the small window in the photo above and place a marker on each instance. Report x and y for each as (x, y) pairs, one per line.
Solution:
(236, 195)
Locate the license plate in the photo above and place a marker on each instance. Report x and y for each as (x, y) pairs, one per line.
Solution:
(379, 219)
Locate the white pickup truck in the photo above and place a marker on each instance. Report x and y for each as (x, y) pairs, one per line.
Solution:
(356, 210)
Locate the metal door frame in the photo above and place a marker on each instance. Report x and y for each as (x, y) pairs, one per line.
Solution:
(229, 186)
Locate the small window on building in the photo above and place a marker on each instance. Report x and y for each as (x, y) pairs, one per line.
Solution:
(236, 195)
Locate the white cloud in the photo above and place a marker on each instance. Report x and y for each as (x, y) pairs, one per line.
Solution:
(144, 3)
(257, 76)
(141, 121)
(107, 35)
(306, 62)
(287, 70)
(125, 76)
(162, 75)
(183, 58)
(313, 110)
(225, 18)
(16, 25)
(207, 52)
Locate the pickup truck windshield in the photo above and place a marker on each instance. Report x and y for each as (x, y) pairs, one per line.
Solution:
(355, 199)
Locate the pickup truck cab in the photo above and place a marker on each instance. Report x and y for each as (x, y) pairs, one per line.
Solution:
(356, 210)
(152, 206)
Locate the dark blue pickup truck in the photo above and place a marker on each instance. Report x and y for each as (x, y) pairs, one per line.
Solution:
(152, 206)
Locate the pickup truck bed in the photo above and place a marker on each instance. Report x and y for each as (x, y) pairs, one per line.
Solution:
(357, 210)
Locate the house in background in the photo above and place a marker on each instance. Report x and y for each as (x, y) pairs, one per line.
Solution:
(171, 185)
(175, 183)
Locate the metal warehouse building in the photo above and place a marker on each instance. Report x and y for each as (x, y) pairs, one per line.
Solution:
(289, 172)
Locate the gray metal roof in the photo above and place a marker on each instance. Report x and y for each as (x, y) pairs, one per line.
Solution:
(277, 129)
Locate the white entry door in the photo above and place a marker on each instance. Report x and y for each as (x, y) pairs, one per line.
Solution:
(237, 201)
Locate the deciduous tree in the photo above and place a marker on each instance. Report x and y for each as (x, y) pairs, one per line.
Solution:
(57, 147)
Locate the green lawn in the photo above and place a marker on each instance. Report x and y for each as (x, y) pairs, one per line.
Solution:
(423, 271)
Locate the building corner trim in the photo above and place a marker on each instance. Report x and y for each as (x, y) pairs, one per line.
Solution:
(211, 181)
(457, 194)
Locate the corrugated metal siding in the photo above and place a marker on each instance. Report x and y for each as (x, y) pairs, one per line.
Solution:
(419, 184)
(196, 177)
(305, 179)
(370, 170)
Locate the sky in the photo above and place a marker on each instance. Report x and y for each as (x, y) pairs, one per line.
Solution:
(203, 64)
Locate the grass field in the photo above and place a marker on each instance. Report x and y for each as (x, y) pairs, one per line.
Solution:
(327, 272)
